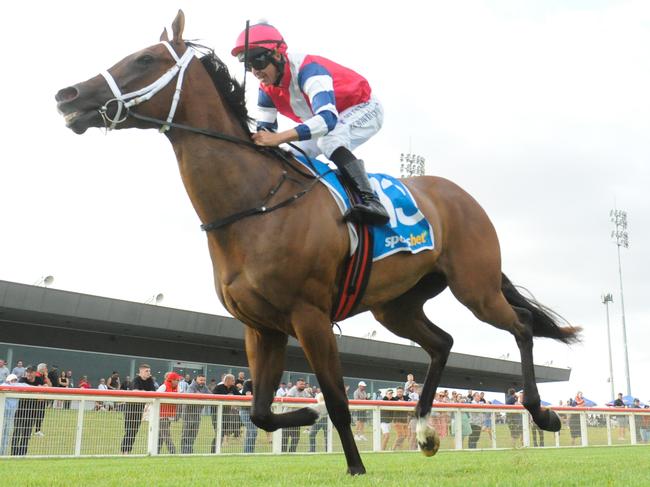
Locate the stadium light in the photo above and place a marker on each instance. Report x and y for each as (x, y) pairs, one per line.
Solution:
(606, 299)
(155, 299)
(619, 218)
(44, 281)
(411, 165)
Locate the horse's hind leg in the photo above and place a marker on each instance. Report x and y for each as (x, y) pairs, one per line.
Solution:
(314, 332)
(490, 305)
(404, 317)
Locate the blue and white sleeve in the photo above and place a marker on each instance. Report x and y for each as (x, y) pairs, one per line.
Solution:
(267, 113)
(316, 82)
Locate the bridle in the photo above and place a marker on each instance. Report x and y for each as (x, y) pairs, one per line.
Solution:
(128, 100)
(125, 101)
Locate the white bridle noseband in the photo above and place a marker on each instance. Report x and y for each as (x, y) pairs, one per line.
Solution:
(134, 98)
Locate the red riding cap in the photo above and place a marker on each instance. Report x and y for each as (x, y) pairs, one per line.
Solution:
(260, 35)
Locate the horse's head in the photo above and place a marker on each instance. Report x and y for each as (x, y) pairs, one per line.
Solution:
(104, 101)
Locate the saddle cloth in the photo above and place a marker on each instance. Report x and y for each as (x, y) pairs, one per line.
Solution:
(407, 231)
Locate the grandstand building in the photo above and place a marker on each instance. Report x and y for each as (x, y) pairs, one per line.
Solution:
(93, 335)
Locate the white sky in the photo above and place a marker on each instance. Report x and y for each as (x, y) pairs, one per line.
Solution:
(539, 109)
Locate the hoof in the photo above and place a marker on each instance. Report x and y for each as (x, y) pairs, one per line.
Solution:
(360, 470)
(431, 444)
(548, 420)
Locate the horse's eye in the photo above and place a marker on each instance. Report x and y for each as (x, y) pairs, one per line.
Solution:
(145, 60)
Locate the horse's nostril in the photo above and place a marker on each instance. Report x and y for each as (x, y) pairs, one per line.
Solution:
(67, 94)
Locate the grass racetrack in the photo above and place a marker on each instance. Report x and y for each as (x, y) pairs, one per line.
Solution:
(625, 466)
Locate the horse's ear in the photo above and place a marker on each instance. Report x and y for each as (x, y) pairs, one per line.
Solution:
(178, 25)
(164, 37)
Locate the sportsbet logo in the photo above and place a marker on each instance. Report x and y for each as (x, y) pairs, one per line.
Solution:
(412, 240)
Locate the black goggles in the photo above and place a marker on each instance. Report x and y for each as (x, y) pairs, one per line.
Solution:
(257, 61)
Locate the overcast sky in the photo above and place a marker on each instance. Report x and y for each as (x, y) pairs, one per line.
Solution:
(541, 110)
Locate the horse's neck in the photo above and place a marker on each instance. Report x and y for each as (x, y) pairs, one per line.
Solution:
(221, 178)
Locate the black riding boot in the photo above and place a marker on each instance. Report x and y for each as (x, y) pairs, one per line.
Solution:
(370, 210)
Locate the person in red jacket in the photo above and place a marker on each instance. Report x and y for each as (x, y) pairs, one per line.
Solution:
(167, 412)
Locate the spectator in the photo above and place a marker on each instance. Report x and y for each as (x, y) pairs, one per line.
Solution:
(167, 412)
(579, 400)
(245, 416)
(320, 424)
(184, 384)
(113, 383)
(241, 378)
(282, 390)
(212, 386)
(230, 422)
(4, 371)
(41, 379)
(360, 415)
(192, 415)
(83, 382)
(400, 420)
(133, 410)
(10, 411)
(514, 420)
(69, 376)
(475, 423)
(63, 382)
(291, 435)
(53, 375)
(125, 385)
(410, 380)
(574, 423)
(621, 420)
(25, 416)
(385, 420)
(19, 370)
(99, 405)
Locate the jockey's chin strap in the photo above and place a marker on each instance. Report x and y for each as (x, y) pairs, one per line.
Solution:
(127, 100)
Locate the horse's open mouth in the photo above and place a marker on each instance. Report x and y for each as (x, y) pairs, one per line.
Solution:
(80, 121)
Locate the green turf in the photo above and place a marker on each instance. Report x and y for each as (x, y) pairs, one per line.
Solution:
(626, 466)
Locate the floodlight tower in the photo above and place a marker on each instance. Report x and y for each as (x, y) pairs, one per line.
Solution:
(606, 299)
(411, 165)
(619, 234)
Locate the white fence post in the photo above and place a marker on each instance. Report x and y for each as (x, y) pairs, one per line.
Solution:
(493, 419)
(633, 438)
(608, 422)
(3, 398)
(329, 434)
(376, 429)
(80, 428)
(218, 435)
(458, 430)
(276, 436)
(154, 427)
(584, 436)
(525, 429)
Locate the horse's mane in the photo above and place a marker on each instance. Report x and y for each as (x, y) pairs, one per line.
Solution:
(231, 90)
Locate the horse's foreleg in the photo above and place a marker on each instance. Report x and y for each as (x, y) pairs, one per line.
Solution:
(266, 354)
(314, 333)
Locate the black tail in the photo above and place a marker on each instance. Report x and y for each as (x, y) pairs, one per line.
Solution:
(545, 320)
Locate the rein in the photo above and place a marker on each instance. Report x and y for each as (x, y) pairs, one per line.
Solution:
(144, 94)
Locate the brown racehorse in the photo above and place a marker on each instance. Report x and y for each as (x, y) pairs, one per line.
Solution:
(278, 272)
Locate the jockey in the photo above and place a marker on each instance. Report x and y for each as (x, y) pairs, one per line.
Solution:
(333, 106)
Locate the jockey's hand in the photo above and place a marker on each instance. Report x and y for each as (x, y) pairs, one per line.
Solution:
(273, 139)
(268, 139)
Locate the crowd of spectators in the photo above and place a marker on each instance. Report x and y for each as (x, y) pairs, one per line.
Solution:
(24, 417)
